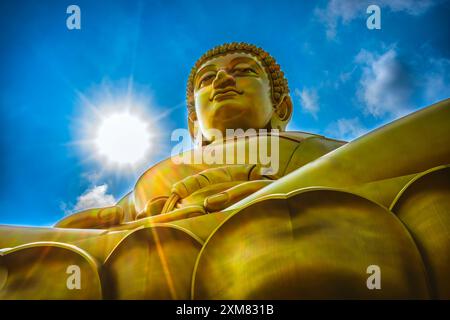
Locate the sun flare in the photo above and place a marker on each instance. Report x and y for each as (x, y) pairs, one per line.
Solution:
(118, 130)
(123, 138)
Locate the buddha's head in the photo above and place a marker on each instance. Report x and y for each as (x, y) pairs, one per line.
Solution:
(237, 86)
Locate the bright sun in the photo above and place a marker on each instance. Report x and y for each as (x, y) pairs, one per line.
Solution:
(123, 139)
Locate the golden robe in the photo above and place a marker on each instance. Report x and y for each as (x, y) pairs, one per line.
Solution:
(334, 212)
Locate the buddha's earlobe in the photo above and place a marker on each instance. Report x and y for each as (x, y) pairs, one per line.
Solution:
(192, 124)
(194, 130)
(282, 114)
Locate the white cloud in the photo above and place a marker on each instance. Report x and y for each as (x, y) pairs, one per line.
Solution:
(344, 11)
(412, 7)
(345, 76)
(337, 12)
(92, 177)
(385, 85)
(94, 197)
(346, 129)
(437, 81)
(309, 101)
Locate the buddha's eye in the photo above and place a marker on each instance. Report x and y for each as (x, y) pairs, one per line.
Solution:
(244, 70)
(207, 79)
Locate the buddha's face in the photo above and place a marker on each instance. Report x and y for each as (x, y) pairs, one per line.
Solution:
(232, 92)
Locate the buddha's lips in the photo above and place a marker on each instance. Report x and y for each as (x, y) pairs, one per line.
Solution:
(224, 91)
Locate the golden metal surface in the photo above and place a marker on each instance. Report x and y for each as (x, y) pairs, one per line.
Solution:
(152, 263)
(227, 231)
(424, 207)
(314, 243)
(39, 271)
(424, 136)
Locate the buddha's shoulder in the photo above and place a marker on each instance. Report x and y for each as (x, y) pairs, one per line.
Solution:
(309, 146)
(301, 136)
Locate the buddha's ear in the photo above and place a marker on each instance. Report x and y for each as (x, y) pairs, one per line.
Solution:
(192, 125)
(282, 113)
(194, 130)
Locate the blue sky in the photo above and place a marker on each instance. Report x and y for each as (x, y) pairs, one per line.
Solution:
(344, 78)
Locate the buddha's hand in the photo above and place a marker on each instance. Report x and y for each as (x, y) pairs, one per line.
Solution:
(234, 194)
(214, 189)
(100, 218)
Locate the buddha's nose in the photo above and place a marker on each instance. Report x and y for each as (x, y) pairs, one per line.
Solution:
(223, 80)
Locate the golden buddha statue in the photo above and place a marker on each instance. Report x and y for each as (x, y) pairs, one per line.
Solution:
(312, 227)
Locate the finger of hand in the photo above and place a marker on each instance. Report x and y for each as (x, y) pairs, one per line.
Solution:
(189, 185)
(216, 175)
(110, 216)
(228, 197)
(178, 214)
(240, 172)
(152, 208)
(92, 218)
(244, 172)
